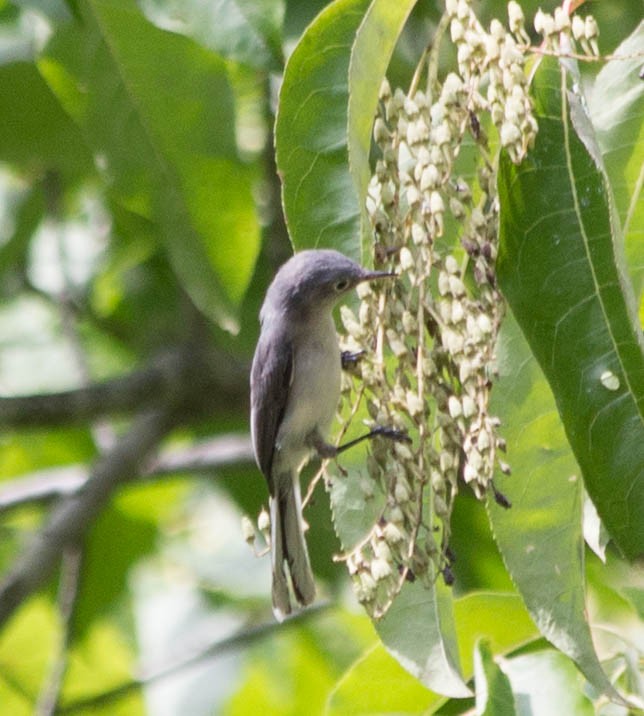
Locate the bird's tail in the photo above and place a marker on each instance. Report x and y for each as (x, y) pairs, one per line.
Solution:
(289, 553)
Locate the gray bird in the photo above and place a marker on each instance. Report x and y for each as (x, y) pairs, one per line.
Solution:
(295, 389)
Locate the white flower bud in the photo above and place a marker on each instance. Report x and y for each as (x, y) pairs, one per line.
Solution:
(406, 259)
(465, 370)
(413, 195)
(396, 516)
(436, 204)
(497, 30)
(510, 134)
(451, 264)
(403, 451)
(492, 51)
(457, 31)
(591, 29)
(469, 473)
(469, 406)
(409, 323)
(562, 19)
(368, 585)
(463, 54)
(397, 346)
(417, 132)
(380, 569)
(418, 234)
(380, 131)
(385, 90)
(484, 323)
(392, 534)
(483, 441)
(350, 323)
(456, 286)
(452, 89)
(410, 107)
(263, 521)
(430, 178)
(515, 16)
(406, 161)
(454, 407)
(578, 27)
(363, 290)
(442, 134)
(443, 283)
(414, 404)
(248, 529)
(401, 492)
(458, 312)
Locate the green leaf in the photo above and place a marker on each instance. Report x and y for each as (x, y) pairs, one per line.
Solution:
(377, 684)
(167, 146)
(546, 683)
(370, 56)
(36, 134)
(418, 629)
(493, 691)
(319, 200)
(247, 31)
(616, 106)
(476, 615)
(540, 536)
(558, 270)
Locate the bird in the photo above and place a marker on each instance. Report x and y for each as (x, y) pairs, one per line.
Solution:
(295, 388)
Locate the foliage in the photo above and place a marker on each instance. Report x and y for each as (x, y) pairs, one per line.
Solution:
(141, 224)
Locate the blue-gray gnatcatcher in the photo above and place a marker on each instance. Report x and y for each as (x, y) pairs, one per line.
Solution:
(295, 389)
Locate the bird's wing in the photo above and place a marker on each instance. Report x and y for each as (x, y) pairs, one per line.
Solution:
(271, 377)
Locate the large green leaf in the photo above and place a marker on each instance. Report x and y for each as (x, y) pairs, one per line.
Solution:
(36, 134)
(540, 537)
(418, 629)
(158, 112)
(377, 684)
(558, 269)
(319, 200)
(493, 691)
(616, 106)
(370, 56)
(246, 31)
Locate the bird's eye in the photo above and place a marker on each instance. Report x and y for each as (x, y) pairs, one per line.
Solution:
(342, 284)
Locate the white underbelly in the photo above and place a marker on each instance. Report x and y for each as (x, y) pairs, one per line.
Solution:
(313, 395)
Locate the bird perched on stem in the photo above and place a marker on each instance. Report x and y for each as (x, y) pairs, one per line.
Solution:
(295, 389)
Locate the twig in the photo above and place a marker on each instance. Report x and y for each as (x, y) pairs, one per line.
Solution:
(67, 595)
(69, 521)
(242, 638)
(204, 456)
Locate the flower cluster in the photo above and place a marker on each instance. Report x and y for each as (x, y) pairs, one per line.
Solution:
(431, 365)
(432, 333)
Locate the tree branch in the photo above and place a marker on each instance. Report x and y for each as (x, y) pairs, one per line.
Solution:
(203, 456)
(70, 520)
(244, 637)
(206, 376)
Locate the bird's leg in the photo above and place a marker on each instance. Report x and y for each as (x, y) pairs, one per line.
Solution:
(326, 450)
(398, 436)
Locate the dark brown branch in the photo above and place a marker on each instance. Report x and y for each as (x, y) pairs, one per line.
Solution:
(204, 456)
(192, 377)
(70, 520)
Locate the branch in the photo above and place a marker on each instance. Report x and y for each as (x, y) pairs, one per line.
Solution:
(208, 377)
(242, 638)
(204, 456)
(69, 521)
(67, 595)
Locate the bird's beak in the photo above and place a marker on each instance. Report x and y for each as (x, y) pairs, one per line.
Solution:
(374, 275)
